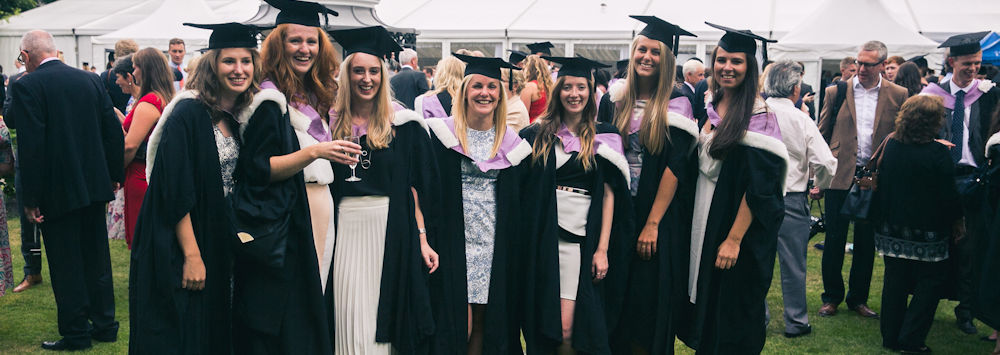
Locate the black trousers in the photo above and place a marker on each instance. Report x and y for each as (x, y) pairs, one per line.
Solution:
(906, 325)
(76, 245)
(31, 239)
(967, 253)
(833, 254)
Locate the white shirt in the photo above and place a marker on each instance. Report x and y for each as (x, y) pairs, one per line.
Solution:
(967, 158)
(689, 86)
(46, 60)
(806, 147)
(406, 66)
(865, 104)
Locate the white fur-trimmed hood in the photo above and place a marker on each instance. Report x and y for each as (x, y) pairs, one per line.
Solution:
(448, 140)
(617, 91)
(770, 144)
(617, 159)
(401, 117)
(994, 140)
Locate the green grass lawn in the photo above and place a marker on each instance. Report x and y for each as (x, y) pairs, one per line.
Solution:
(28, 318)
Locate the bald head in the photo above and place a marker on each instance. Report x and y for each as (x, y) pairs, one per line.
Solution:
(36, 46)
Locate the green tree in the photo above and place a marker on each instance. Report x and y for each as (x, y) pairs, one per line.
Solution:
(10, 8)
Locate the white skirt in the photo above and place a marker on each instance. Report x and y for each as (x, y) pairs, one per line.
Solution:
(357, 274)
(324, 232)
(569, 269)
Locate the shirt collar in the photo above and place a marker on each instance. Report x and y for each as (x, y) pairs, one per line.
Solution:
(49, 59)
(954, 87)
(407, 66)
(783, 101)
(857, 84)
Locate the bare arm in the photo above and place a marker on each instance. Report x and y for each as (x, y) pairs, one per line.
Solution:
(529, 94)
(646, 245)
(600, 263)
(730, 248)
(428, 253)
(284, 166)
(194, 268)
(143, 119)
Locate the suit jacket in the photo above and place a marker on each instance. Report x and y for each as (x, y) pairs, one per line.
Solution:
(70, 141)
(841, 132)
(698, 105)
(805, 88)
(118, 98)
(407, 84)
(8, 97)
(981, 121)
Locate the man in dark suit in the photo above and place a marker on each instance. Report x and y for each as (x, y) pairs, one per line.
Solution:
(409, 82)
(969, 124)
(694, 72)
(71, 150)
(862, 122)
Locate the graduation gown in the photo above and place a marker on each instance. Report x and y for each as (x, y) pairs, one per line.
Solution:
(988, 295)
(597, 305)
(449, 283)
(184, 177)
(404, 308)
(655, 303)
(276, 309)
(729, 304)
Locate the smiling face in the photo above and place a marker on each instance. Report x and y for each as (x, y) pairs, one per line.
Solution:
(366, 76)
(137, 74)
(730, 68)
(482, 94)
(646, 57)
(123, 82)
(965, 67)
(301, 47)
(574, 93)
(234, 68)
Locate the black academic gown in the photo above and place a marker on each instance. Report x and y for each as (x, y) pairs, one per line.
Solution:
(729, 310)
(163, 317)
(988, 294)
(276, 310)
(404, 308)
(449, 285)
(597, 305)
(657, 288)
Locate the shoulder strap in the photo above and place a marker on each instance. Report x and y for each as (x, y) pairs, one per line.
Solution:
(879, 152)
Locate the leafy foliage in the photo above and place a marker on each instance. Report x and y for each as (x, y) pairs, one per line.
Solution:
(10, 8)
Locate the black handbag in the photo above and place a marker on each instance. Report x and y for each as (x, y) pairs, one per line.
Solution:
(262, 242)
(858, 203)
(817, 225)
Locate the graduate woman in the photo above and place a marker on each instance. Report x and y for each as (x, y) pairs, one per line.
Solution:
(384, 208)
(180, 279)
(738, 205)
(477, 154)
(576, 212)
(660, 136)
(299, 61)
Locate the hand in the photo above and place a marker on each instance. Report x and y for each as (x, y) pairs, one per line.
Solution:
(194, 273)
(809, 97)
(599, 266)
(646, 246)
(946, 143)
(337, 151)
(429, 255)
(34, 215)
(815, 193)
(728, 252)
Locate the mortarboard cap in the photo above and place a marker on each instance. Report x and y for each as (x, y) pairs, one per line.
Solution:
(919, 60)
(662, 31)
(489, 67)
(742, 41)
(517, 56)
(541, 47)
(301, 12)
(621, 65)
(230, 35)
(374, 40)
(964, 44)
(576, 66)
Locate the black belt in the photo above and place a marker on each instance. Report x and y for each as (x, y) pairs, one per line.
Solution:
(573, 190)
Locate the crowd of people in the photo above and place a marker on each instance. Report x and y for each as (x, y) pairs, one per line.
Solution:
(281, 196)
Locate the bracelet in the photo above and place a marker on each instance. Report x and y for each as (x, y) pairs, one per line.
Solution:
(422, 230)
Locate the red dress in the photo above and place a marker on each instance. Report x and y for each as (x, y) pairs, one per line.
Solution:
(537, 107)
(135, 172)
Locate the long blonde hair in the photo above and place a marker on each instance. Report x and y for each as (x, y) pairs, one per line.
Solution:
(536, 69)
(551, 121)
(499, 117)
(380, 122)
(653, 127)
(448, 76)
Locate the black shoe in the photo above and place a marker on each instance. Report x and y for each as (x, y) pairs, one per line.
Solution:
(807, 331)
(918, 350)
(64, 345)
(105, 338)
(966, 326)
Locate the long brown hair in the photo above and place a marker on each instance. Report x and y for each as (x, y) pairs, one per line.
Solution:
(536, 69)
(551, 121)
(319, 80)
(737, 119)
(205, 81)
(499, 117)
(653, 127)
(157, 76)
(380, 123)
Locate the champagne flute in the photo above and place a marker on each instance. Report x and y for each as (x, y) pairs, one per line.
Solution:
(355, 140)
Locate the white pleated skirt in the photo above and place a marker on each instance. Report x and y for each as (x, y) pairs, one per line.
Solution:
(569, 269)
(357, 274)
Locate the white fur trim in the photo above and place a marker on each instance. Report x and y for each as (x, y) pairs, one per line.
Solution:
(442, 132)
(418, 105)
(319, 171)
(264, 95)
(994, 140)
(403, 116)
(770, 144)
(154, 137)
(521, 151)
(688, 125)
(617, 91)
(617, 159)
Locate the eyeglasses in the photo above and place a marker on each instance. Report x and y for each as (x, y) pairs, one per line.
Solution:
(20, 56)
(869, 65)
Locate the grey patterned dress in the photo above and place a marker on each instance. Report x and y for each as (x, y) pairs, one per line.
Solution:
(479, 205)
(229, 151)
(633, 148)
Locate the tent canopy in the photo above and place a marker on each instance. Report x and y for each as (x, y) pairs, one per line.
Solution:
(164, 23)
